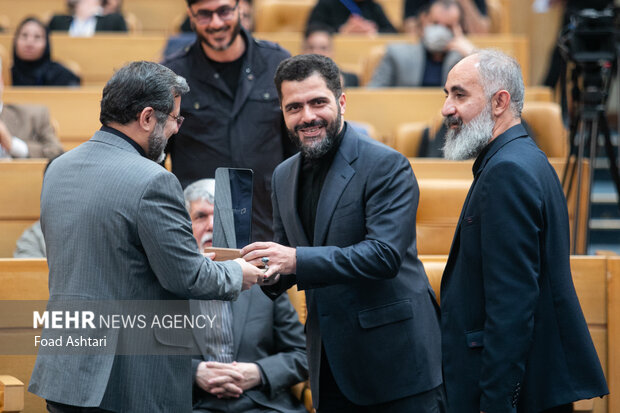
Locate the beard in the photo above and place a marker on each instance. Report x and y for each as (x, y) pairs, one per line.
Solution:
(157, 144)
(467, 140)
(233, 36)
(317, 149)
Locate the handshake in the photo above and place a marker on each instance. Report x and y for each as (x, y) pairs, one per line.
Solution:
(261, 262)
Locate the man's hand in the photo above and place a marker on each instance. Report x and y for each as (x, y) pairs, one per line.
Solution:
(282, 260)
(227, 380)
(359, 25)
(460, 43)
(251, 274)
(5, 137)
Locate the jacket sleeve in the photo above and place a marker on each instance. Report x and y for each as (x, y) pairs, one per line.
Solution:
(165, 232)
(511, 223)
(383, 75)
(391, 200)
(44, 143)
(288, 365)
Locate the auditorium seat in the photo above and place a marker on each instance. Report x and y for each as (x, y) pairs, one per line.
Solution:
(282, 15)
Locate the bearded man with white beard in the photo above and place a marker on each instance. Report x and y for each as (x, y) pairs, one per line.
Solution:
(511, 321)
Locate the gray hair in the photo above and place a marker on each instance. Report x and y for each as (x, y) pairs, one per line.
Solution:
(199, 190)
(136, 86)
(498, 71)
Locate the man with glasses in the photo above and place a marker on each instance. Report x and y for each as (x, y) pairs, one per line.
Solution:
(232, 115)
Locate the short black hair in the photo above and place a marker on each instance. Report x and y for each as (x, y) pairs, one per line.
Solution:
(318, 27)
(136, 86)
(301, 67)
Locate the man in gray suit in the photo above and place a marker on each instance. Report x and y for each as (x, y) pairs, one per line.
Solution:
(344, 223)
(116, 229)
(256, 351)
(427, 62)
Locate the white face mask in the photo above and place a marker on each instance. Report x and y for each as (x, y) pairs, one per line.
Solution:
(436, 38)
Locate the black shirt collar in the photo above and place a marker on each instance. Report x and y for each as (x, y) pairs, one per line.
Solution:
(120, 134)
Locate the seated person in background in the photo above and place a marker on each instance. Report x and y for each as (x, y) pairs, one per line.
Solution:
(351, 17)
(475, 19)
(26, 131)
(111, 6)
(86, 18)
(318, 40)
(31, 243)
(32, 63)
(256, 349)
(427, 62)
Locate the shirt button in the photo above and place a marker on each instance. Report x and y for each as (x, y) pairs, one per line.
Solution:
(266, 95)
(217, 75)
(247, 70)
(196, 105)
(250, 76)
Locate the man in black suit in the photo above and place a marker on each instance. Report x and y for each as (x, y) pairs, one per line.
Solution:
(344, 223)
(514, 338)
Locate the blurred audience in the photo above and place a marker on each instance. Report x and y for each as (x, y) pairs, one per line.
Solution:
(351, 17)
(318, 39)
(26, 130)
(111, 6)
(427, 62)
(85, 18)
(475, 18)
(32, 64)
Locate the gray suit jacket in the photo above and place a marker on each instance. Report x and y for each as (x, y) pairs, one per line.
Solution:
(403, 66)
(269, 334)
(370, 305)
(116, 228)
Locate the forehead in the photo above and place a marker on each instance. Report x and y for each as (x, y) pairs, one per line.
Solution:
(213, 4)
(465, 75)
(300, 91)
(200, 204)
(31, 26)
(447, 16)
(318, 37)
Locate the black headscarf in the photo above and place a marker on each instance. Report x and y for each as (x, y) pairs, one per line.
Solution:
(43, 71)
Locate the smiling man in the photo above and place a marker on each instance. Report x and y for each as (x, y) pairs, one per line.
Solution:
(232, 116)
(344, 222)
(514, 338)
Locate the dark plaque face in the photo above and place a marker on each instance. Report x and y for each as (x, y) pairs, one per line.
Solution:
(232, 227)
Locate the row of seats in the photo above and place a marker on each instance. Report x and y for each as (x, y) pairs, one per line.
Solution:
(443, 187)
(97, 57)
(164, 16)
(76, 110)
(596, 279)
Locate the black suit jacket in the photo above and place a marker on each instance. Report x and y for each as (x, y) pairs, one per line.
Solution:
(514, 338)
(269, 334)
(109, 23)
(369, 300)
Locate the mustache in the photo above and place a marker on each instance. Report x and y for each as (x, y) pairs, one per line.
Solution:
(314, 123)
(452, 120)
(221, 29)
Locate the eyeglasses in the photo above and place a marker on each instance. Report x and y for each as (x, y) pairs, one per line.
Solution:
(179, 119)
(225, 13)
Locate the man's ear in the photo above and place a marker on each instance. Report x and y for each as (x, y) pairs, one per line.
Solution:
(343, 103)
(500, 103)
(147, 119)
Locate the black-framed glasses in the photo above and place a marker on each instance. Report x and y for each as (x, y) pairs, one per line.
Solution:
(225, 13)
(178, 118)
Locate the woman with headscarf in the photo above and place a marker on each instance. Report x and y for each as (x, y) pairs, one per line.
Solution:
(32, 64)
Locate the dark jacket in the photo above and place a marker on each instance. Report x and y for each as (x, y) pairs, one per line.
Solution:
(109, 23)
(269, 334)
(368, 297)
(334, 14)
(514, 337)
(222, 130)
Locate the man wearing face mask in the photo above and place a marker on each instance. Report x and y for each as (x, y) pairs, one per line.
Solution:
(427, 62)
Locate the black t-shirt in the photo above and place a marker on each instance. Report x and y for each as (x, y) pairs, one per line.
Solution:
(229, 72)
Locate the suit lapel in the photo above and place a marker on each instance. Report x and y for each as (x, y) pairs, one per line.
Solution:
(289, 213)
(240, 309)
(337, 179)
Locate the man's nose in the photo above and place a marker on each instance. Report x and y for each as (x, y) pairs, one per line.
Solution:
(448, 108)
(308, 114)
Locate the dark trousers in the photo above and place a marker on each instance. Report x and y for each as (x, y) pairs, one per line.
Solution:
(331, 399)
(54, 407)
